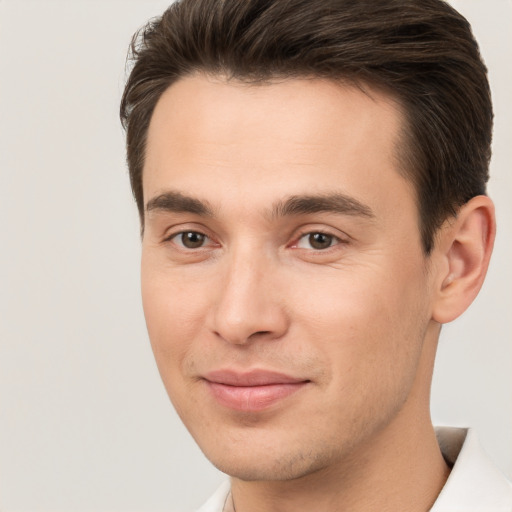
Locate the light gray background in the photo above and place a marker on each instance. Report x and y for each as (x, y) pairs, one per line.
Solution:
(85, 424)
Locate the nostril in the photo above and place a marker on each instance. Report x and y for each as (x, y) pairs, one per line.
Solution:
(260, 334)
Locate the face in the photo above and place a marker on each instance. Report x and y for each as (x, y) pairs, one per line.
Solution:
(284, 285)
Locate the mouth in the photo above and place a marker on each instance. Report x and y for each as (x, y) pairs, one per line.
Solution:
(252, 391)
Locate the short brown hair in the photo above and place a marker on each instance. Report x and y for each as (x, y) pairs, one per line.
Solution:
(421, 51)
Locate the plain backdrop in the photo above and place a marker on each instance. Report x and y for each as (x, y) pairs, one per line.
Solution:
(85, 424)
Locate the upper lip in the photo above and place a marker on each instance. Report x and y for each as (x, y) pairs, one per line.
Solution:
(250, 378)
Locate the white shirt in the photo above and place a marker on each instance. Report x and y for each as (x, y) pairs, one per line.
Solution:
(474, 484)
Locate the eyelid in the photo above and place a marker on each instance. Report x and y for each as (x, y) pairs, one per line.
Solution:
(174, 234)
(177, 239)
(184, 227)
(334, 241)
(174, 231)
(340, 236)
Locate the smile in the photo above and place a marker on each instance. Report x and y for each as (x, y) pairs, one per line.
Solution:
(251, 392)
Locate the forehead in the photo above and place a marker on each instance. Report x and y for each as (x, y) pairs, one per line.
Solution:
(296, 135)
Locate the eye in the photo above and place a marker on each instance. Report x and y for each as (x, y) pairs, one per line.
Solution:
(190, 239)
(318, 241)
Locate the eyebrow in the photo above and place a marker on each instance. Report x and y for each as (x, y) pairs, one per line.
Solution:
(338, 203)
(177, 202)
(326, 203)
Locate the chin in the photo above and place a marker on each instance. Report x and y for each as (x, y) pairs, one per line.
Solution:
(268, 464)
(251, 471)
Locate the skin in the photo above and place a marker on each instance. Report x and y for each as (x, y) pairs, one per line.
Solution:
(357, 319)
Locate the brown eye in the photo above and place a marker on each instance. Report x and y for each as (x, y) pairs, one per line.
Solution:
(191, 239)
(317, 241)
(320, 240)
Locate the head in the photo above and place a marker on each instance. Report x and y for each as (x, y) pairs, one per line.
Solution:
(422, 53)
(310, 180)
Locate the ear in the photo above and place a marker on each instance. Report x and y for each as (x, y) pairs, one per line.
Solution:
(463, 250)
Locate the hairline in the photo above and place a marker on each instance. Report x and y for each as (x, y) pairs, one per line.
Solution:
(403, 152)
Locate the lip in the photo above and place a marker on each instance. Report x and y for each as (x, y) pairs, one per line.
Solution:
(252, 391)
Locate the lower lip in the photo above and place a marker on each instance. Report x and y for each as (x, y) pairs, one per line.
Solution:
(252, 398)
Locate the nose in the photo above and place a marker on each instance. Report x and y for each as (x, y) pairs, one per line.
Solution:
(249, 304)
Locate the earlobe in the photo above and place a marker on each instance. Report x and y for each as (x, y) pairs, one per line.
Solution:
(464, 248)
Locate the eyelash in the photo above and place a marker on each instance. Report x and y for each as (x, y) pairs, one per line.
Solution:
(333, 240)
(174, 236)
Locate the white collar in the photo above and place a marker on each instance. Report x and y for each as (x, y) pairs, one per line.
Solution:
(474, 484)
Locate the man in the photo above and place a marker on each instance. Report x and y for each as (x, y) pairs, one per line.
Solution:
(310, 178)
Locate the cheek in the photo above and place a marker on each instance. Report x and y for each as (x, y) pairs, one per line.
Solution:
(174, 309)
(368, 323)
